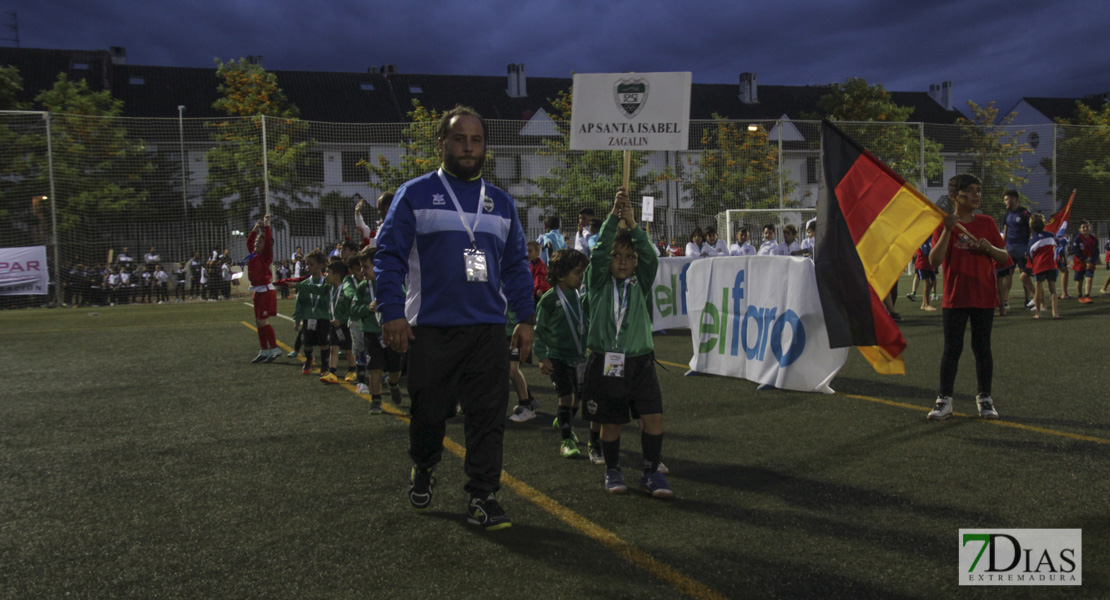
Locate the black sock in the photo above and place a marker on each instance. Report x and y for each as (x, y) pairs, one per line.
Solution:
(331, 370)
(612, 452)
(652, 446)
(325, 359)
(361, 374)
(376, 397)
(308, 356)
(573, 411)
(595, 437)
(564, 421)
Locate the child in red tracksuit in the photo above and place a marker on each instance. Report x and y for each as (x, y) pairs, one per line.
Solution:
(539, 271)
(265, 298)
(1042, 261)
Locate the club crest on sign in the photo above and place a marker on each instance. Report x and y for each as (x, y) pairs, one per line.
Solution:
(630, 95)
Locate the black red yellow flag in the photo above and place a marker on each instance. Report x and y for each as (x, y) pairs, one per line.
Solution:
(869, 224)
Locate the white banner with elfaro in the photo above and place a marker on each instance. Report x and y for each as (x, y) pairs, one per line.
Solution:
(668, 297)
(759, 318)
(23, 271)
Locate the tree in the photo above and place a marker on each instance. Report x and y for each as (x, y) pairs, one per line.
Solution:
(897, 144)
(252, 98)
(585, 177)
(97, 166)
(14, 193)
(738, 168)
(1083, 161)
(994, 150)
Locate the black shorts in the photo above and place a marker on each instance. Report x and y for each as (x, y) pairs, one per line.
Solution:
(1047, 275)
(317, 336)
(565, 378)
(926, 275)
(1021, 260)
(340, 335)
(375, 353)
(1089, 273)
(614, 400)
(1000, 273)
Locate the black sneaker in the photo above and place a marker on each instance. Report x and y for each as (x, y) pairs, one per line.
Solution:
(421, 483)
(395, 394)
(487, 513)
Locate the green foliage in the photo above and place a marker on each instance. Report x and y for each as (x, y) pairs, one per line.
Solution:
(995, 152)
(11, 84)
(738, 168)
(251, 97)
(586, 178)
(97, 166)
(897, 144)
(1083, 155)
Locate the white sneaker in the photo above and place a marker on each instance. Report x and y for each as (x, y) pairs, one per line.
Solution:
(986, 407)
(362, 388)
(1006, 305)
(522, 413)
(663, 468)
(1030, 304)
(942, 410)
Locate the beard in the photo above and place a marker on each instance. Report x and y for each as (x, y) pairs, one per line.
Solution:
(466, 173)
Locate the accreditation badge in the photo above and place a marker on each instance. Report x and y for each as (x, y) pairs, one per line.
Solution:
(311, 325)
(475, 262)
(580, 371)
(614, 364)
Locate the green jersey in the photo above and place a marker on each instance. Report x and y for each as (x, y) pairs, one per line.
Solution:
(365, 293)
(312, 300)
(628, 299)
(561, 323)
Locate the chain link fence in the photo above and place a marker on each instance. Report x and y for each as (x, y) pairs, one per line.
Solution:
(86, 186)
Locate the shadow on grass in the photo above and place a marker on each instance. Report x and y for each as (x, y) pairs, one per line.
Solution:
(886, 389)
(797, 579)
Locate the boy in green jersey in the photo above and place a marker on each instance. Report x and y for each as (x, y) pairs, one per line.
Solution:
(560, 344)
(620, 371)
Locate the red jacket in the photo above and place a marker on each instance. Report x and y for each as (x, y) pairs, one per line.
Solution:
(539, 277)
(258, 264)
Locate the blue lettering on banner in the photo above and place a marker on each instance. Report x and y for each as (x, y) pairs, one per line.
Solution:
(670, 299)
(753, 328)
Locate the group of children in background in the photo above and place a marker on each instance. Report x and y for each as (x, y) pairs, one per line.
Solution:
(706, 244)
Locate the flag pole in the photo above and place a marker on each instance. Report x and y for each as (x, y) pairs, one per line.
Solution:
(627, 175)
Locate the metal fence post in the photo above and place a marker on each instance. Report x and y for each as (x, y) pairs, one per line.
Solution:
(265, 169)
(53, 210)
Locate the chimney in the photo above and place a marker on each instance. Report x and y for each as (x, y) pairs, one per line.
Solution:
(749, 89)
(372, 70)
(389, 70)
(254, 59)
(942, 94)
(518, 81)
(118, 55)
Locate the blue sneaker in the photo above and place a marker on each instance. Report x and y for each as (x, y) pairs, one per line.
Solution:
(614, 482)
(656, 484)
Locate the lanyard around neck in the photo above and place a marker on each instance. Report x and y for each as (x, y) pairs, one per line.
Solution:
(470, 229)
(575, 331)
(620, 308)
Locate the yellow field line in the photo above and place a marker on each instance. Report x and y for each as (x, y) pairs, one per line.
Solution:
(995, 422)
(645, 561)
(112, 327)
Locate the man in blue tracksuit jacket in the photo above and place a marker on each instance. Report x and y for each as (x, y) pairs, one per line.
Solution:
(451, 255)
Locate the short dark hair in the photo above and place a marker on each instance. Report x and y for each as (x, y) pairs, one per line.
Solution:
(1036, 222)
(711, 230)
(339, 267)
(563, 262)
(350, 245)
(317, 256)
(624, 238)
(367, 253)
(1012, 194)
(458, 111)
(961, 182)
(586, 210)
(770, 226)
(552, 221)
(790, 228)
(353, 261)
(697, 232)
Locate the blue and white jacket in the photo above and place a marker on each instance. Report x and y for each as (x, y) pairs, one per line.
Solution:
(420, 250)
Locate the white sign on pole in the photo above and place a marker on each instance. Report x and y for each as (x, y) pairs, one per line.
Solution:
(630, 111)
(759, 318)
(647, 211)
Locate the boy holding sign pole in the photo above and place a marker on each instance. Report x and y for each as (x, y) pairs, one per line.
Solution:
(620, 374)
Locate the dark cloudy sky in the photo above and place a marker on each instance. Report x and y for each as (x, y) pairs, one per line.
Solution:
(990, 49)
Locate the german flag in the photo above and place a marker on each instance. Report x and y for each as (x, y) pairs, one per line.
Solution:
(1058, 224)
(869, 224)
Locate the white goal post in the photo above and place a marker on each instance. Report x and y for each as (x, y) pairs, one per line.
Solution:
(729, 221)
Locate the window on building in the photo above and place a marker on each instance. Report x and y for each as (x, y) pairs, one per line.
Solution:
(416, 89)
(352, 171)
(80, 66)
(366, 86)
(137, 80)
